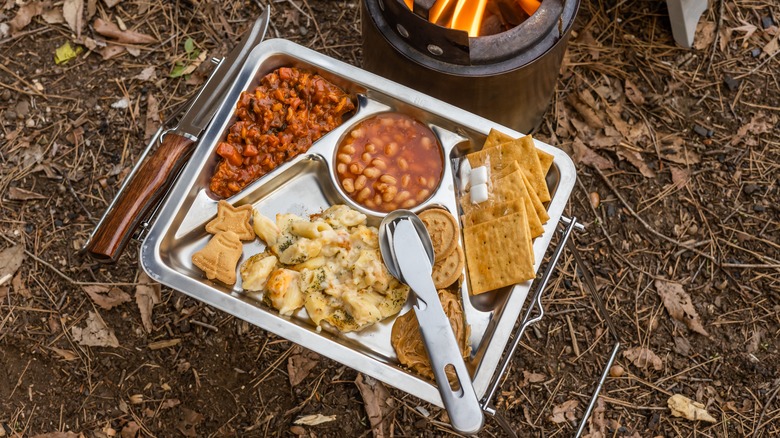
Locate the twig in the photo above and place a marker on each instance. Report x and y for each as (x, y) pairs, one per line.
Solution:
(717, 36)
(766, 405)
(204, 325)
(60, 273)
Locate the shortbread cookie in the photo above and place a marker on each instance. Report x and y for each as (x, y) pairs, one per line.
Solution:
(443, 230)
(218, 259)
(446, 271)
(235, 219)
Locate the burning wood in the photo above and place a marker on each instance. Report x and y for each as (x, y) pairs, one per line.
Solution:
(480, 17)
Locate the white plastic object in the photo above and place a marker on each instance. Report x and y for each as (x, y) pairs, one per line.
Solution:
(684, 16)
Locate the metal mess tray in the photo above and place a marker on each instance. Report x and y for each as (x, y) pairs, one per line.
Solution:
(307, 184)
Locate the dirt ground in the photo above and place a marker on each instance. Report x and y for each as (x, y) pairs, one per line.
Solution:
(678, 157)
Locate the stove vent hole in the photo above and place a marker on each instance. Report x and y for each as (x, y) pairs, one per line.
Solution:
(402, 31)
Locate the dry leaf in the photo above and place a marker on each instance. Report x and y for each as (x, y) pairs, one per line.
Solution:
(73, 11)
(10, 260)
(673, 149)
(759, 124)
(4, 292)
(643, 357)
(580, 128)
(111, 3)
(684, 407)
(682, 346)
(314, 419)
(680, 177)
(771, 47)
(607, 139)
(25, 15)
(529, 377)
(634, 94)
(586, 112)
(20, 287)
(147, 74)
(111, 51)
(597, 427)
(152, 116)
(96, 333)
(678, 304)
(614, 113)
(705, 35)
(65, 354)
(375, 399)
(106, 297)
(111, 30)
(586, 39)
(189, 421)
(53, 16)
(300, 363)
(564, 412)
(91, 9)
(635, 158)
(747, 28)
(754, 342)
(585, 155)
(147, 294)
(130, 430)
(195, 64)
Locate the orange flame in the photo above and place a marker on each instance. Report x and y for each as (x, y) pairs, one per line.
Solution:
(529, 6)
(466, 15)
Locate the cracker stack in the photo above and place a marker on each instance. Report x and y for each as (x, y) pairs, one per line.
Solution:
(498, 233)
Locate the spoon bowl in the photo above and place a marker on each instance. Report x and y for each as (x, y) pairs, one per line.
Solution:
(386, 230)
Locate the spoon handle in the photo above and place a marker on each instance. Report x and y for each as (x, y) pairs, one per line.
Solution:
(459, 398)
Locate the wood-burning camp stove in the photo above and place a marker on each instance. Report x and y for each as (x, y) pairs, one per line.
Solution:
(508, 77)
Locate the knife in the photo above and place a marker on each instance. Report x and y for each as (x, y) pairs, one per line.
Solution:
(151, 179)
(415, 268)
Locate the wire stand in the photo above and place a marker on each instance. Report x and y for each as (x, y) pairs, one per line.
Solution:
(534, 314)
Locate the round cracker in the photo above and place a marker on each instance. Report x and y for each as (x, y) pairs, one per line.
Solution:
(448, 270)
(443, 229)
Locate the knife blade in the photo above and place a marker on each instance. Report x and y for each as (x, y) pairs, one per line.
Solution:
(415, 268)
(151, 178)
(202, 110)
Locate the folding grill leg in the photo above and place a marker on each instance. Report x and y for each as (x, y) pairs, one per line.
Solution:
(591, 285)
(571, 224)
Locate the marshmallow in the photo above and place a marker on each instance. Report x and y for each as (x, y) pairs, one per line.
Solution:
(479, 193)
(479, 175)
(463, 174)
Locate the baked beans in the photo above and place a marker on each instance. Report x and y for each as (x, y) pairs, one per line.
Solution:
(389, 161)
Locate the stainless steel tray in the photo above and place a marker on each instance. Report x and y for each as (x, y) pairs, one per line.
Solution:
(307, 184)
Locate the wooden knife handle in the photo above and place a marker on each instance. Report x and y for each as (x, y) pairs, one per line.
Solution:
(150, 182)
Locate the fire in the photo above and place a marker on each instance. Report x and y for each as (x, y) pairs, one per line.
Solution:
(467, 15)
